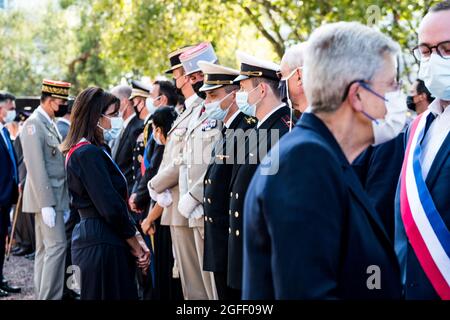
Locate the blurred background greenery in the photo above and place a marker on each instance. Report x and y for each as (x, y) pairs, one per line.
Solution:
(105, 42)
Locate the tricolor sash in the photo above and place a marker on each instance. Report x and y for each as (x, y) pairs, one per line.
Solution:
(424, 227)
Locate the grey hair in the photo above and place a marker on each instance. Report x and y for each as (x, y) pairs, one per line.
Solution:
(294, 56)
(336, 55)
(121, 92)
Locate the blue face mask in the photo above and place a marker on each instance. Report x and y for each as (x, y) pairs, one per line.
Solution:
(243, 105)
(214, 111)
(114, 131)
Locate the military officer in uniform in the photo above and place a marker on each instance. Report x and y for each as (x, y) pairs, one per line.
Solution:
(220, 105)
(139, 94)
(201, 136)
(259, 96)
(45, 191)
(167, 178)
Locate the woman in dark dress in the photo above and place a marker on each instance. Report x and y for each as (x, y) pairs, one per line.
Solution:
(105, 244)
(165, 287)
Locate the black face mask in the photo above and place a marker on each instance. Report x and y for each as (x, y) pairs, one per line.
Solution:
(196, 86)
(62, 110)
(410, 103)
(135, 108)
(282, 88)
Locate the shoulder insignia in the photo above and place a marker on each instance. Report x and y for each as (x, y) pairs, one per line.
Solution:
(31, 129)
(250, 120)
(209, 124)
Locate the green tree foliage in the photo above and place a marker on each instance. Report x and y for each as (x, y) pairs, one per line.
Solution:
(111, 40)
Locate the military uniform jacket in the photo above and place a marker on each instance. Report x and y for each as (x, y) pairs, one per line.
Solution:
(138, 153)
(46, 184)
(240, 180)
(201, 137)
(216, 196)
(168, 173)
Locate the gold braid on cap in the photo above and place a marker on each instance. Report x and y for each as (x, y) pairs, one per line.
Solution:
(55, 90)
(251, 73)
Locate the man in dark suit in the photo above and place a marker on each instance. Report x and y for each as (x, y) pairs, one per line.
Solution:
(220, 105)
(122, 148)
(259, 84)
(163, 94)
(9, 179)
(310, 231)
(423, 218)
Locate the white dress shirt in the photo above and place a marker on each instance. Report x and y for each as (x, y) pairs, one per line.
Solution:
(269, 114)
(230, 121)
(45, 114)
(435, 136)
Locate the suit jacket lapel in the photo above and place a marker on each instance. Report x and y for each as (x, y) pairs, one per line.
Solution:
(180, 118)
(438, 162)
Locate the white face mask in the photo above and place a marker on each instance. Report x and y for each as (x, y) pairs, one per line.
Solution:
(150, 104)
(435, 72)
(10, 116)
(394, 121)
(214, 111)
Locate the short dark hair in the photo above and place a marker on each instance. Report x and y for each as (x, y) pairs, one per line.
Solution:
(167, 89)
(87, 109)
(163, 118)
(45, 96)
(5, 96)
(421, 88)
(441, 6)
(273, 84)
(231, 87)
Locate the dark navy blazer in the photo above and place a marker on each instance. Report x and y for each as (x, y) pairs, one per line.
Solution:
(311, 231)
(8, 185)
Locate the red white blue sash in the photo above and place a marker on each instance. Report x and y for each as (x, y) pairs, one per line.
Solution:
(425, 229)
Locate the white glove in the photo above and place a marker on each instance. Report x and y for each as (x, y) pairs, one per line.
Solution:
(66, 216)
(198, 212)
(153, 193)
(49, 216)
(164, 199)
(186, 205)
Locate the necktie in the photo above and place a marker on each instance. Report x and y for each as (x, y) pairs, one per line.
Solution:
(430, 119)
(11, 152)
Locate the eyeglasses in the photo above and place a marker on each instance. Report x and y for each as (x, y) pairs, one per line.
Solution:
(424, 51)
(394, 85)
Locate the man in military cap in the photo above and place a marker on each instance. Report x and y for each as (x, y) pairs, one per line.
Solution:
(259, 96)
(45, 191)
(140, 92)
(220, 89)
(168, 179)
(201, 136)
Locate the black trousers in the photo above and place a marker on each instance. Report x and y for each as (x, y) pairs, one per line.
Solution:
(223, 291)
(24, 234)
(4, 224)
